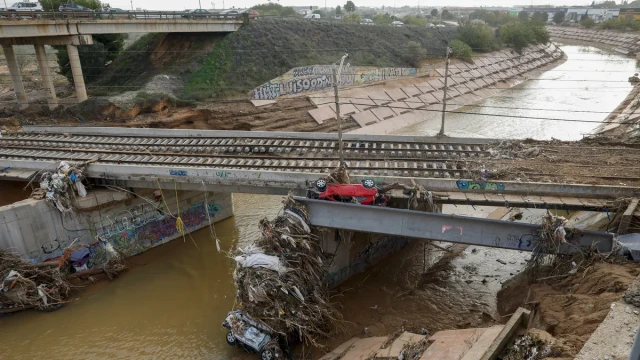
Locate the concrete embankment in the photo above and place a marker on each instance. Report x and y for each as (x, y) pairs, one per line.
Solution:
(390, 106)
(131, 223)
(625, 43)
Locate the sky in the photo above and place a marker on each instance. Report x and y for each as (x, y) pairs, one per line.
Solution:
(206, 4)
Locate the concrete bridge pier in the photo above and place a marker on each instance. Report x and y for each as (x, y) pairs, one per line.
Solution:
(16, 77)
(76, 70)
(47, 80)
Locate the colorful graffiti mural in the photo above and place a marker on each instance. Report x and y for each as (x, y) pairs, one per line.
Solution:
(479, 185)
(368, 256)
(144, 226)
(320, 77)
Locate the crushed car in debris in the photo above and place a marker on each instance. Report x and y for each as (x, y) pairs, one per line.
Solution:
(254, 336)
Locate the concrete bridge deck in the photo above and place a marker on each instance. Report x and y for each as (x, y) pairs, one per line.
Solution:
(68, 27)
(277, 163)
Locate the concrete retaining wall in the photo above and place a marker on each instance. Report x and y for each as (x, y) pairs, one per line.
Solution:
(625, 43)
(38, 231)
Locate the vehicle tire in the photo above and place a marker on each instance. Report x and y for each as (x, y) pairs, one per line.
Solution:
(231, 340)
(321, 185)
(271, 352)
(368, 183)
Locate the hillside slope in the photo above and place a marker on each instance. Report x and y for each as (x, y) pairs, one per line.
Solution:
(213, 65)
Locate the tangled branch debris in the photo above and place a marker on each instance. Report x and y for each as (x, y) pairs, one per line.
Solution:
(413, 351)
(526, 347)
(27, 285)
(280, 278)
(509, 149)
(62, 185)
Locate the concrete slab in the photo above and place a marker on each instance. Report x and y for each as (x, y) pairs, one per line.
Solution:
(437, 84)
(462, 89)
(364, 348)
(260, 103)
(322, 114)
(365, 118)
(481, 346)
(416, 102)
(383, 113)
(439, 95)
(451, 344)
(396, 94)
(440, 72)
(345, 109)
(399, 107)
(518, 319)
(398, 344)
(320, 99)
(483, 71)
(411, 91)
(430, 99)
(425, 88)
(335, 353)
(363, 103)
(380, 98)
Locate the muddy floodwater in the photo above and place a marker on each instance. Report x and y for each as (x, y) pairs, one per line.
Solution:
(171, 302)
(588, 86)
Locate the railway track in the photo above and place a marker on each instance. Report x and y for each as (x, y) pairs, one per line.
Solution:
(384, 158)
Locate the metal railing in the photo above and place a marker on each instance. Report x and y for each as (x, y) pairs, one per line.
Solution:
(109, 15)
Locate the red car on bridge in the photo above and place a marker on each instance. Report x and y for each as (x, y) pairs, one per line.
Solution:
(364, 194)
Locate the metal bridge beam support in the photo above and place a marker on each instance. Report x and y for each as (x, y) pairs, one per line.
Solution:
(45, 72)
(16, 77)
(442, 227)
(76, 70)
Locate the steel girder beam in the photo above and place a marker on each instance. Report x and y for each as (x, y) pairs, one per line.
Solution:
(443, 227)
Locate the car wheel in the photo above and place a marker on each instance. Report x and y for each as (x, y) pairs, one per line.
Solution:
(267, 354)
(231, 340)
(321, 184)
(368, 183)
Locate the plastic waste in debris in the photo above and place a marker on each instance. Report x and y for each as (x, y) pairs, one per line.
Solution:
(261, 260)
(81, 189)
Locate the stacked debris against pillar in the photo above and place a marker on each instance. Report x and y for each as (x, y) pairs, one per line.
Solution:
(280, 278)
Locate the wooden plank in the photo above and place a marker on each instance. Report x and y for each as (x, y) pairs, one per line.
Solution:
(625, 221)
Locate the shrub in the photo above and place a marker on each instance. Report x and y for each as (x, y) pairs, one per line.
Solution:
(415, 53)
(558, 17)
(477, 35)
(460, 50)
(521, 34)
(588, 23)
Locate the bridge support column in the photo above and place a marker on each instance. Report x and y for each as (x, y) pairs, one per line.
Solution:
(45, 72)
(16, 77)
(76, 70)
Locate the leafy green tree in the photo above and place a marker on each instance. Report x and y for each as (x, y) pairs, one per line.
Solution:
(539, 16)
(338, 10)
(477, 35)
(415, 53)
(521, 34)
(460, 50)
(588, 23)
(93, 58)
(352, 17)
(523, 15)
(382, 19)
(434, 12)
(414, 20)
(558, 17)
(446, 15)
(350, 6)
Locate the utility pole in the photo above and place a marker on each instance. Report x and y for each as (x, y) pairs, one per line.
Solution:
(336, 75)
(131, 5)
(444, 97)
(200, 4)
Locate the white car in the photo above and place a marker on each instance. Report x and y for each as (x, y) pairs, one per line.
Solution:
(397, 23)
(366, 22)
(312, 16)
(24, 7)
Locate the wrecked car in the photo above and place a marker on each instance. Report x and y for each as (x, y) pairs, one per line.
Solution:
(253, 336)
(365, 193)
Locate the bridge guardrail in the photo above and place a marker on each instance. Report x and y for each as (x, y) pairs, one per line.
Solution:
(107, 15)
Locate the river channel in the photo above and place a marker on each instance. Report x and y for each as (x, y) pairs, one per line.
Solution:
(171, 302)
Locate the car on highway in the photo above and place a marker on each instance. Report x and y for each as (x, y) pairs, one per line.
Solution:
(397, 23)
(366, 22)
(112, 13)
(23, 7)
(75, 10)
(197, 14)
(312, 16)
(365, 193)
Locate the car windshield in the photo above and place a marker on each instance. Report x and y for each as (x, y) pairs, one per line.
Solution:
(16, 5)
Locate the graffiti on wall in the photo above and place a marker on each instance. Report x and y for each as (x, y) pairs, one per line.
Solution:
(479, 185)
(143, 226)
(320, 77)
(371, 254)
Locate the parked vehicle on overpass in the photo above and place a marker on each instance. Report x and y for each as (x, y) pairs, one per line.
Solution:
(365, 193)
(23, 7)
(116, 13)
(76, 10)
(197, 14)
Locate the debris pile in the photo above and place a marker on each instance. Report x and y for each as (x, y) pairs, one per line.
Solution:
(509, 149)
(62, 185)
(413, 351)
(526, 347)
(26, 285)
(280, 278)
